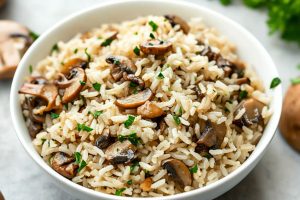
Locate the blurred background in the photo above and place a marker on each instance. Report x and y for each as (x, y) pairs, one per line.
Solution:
(276, 177)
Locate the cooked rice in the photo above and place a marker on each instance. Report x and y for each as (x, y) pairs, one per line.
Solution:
(183, 70)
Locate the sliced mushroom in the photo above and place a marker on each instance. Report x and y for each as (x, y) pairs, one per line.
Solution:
(2, 2)
(174, 19)
(252, 115)
(179, 172)
(149, 110)
(156, 47)
(34, 128)
(31, 103)
(146, 184)
(14, 41)
(122, 62)
(64, 165)
(73, 63)
(104, 140)
(72, 84)
(212, 135)
(203, 150)
(135, 100)
(134, 79)
(241, 81)
(120, 152)
(47, 92)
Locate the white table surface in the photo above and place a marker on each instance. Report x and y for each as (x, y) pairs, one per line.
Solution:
(276, 177)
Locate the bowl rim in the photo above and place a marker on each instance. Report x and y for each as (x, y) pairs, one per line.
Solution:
(14, 103)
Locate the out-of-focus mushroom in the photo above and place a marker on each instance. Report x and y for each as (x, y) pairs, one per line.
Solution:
(179, 172)
(120, 152)
(14, 41)
(135, 100)
(174, 20)
(122, 62)
(146, 184)
(104, 140)
(149, 110)
(156, 47)
(73, 84)
(290, 119)
(2, 2)
(212, 135)
(134, 79)
(47, 92)
(64, 165)
(252, 115)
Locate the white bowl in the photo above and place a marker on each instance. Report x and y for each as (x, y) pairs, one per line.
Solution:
(249, 49)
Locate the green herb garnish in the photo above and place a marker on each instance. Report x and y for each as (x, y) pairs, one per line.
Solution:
(225, 2)
(97, 113)
(83, 127)
(43, 140)
(134, 165)
(133, 84)
(97, 86)
(194, 169)
(129, 182)
(160, 76)
(129, 121)
(136, 50)
(133, 138)
(176, 119)
(275, 82)
(107, 42)
(54, 115)
(79, 161)
(120, 191)
(75, 51)
(34, 36)
(180, 111)
(54, 48)
(89, 58)
(30, 69)
(153, 25)
(243, 94)
(82, 82)
(152, 36)
(295, 81)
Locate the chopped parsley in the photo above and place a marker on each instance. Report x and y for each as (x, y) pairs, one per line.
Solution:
(133, 138)
(106, 42)
(97, 113)
(30, 69)
(116, 62)
(153, 25)
(43, 140)
(82, 82)
(134, 165)
(180, 111)
(194, 169)
(129, 121)
(152, 36)
(119, 192)
(225, 2)
(75, 51)
(176, 119)
(54, 48)
(160, 76)
(83, 127)
(34, 36)
(66, 106)
(129, 182)
(295, 81)
(54, 115)
(243, 94)
(275, 82)
(89, 58)
(133, 84)
(79, 161)
(136, 50)
(97, 86)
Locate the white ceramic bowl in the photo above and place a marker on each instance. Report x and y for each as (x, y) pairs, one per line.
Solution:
(249, 49)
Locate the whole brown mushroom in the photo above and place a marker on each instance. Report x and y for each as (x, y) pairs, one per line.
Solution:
(290, 119)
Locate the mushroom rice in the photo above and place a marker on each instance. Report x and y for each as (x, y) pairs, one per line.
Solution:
(149, 107)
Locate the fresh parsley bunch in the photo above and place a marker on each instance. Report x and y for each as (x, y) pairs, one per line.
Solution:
(284, 16)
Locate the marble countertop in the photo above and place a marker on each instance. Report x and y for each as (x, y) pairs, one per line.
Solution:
(276, 177)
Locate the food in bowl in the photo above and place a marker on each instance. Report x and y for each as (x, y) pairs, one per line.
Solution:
(149, 107)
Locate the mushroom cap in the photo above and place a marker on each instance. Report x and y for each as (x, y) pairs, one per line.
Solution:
(135, 100)
(156, 47)
(289, 124)
(179, 172)
(123, 63)
(120, 152)
(64, 165)
(149, 110)
(174, 19)
(104, 140)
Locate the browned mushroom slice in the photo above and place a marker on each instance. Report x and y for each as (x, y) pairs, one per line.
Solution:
(135, 100)
(241, 81)
(120, 152)
(47, 92)
(149, 110)
(104, 140)
(213, 134)
(252, 115)
(14, 41)
(122, 62)
(156, 47)
(34, 128)
(179, 172)
(174, 19)
(73, 63)
(146, 184)
(134, 79)
(72, 84)
(31, 103)
(64, 165)
(108, 40)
